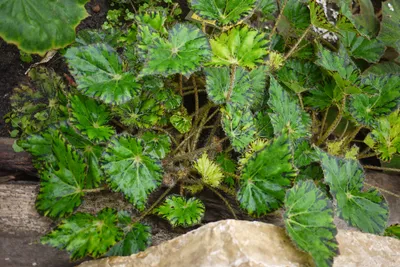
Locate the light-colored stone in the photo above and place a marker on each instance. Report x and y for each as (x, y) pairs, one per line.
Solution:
(247, 244)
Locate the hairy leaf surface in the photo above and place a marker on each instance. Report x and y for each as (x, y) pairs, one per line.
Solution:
(84, 234)
(99, 73)
(238, 125)
(180, 211)
(299, 75)
(223, 11)
(90, 118)
(366, 210)
(39, 26)
(218, 85)
(137, 237)
(360, 47)
(287, 116)
(131, 169)
(241, 46)
(389, 33)
(184, 52)
(265, 178)
(309, 222)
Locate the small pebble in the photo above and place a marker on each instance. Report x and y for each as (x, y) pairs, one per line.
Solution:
(96, 8)
(34, 264)
(7, 259)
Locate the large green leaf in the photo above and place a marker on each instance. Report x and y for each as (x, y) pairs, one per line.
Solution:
(91, 152)
(83, 234)
(131, 169)
(184, 52)
(360, 47)
(365, 21)
(267, 8)
(223, 11)
(180, 211)
(366, 210)
(384, 139)
(304, 154)
(297, 14)
(265, 178)
(238, 125)
(258, 81)
(287, 116)
(90, 118)
(389, 33)
(41, 103)
(381, 97)
(309, 222)
(299, 75)
(99, 73)
(39, 26)
(137, 237)
(241, 46)
(61, 182)
(218, 85)
(157, 145)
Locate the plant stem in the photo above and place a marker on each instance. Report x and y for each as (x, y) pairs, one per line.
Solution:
(231, 82)
(223, 199)
(344, 131)
(196, 97)
(232, 174)
(144, 214)
(298, 42)
(301, 100)
(383, 190)
(352, 136)
(168, 133)
(334, 124)
(180, 85)
(191, 155)
(370, 167)
(94, 190)
(323, 123)
(193, 92)
(277, 22)
(367, 155)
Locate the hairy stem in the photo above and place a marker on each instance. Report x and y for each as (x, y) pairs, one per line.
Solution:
(277, 22)
(196, 97)
(94, 190)
(370, 167)
(351, 136)
(223, 199)
(367, 155)
(231, 82)
(323, 123)
(383, 190)
(168, 133)
(334, 124)
(294, 48)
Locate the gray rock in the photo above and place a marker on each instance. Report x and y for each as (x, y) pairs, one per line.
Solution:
(243, 243)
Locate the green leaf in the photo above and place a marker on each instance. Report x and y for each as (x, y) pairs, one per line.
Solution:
(96, 36)
(339, 62)
(181, 121)
(324, 96)
(268, 8)
(389, 33)
(227, 165)
(91, 152)
(150, 28)
(36, 27)
(382, 68)
(318, 17)
(62, 181)
(384, 139)
(258, 81)
(223, 11)
(90, 118)
(297, 14)
(99, 73)
(263, 125)
(299, 76)
(131, 169)
(265, 178)
(366, 21)
(184, 52)
(39, 104)
(393, 231)
(83, 234)
(366, 210)
(238, 125)
(309, 222)
(211, 173)
(180, 211)
(304, 154)
(360, 47)
(241, 46)
(287, 116)
(218, 84)
(157, 145)
(137, 237)
(382, 97)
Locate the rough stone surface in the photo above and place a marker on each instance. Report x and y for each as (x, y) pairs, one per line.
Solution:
(243, 243)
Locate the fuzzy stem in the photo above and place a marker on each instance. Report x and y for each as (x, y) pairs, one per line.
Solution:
(345, 130)
(193, 92)
(367, 155)
(144, 214)
(294, 48)
(196, 97)
(168, 133)
(94, 190)
(301, 101)
(223, 199)
(334, 124)
(277, 22)
(352, 136)
(323, 123)
(231, 82)
(370, 167)
(201, 127)
(383, 190)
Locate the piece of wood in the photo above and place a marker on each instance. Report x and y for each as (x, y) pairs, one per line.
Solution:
(13, 161)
